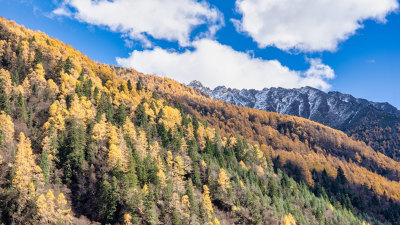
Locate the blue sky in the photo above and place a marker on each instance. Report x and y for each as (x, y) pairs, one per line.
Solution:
(239, 43)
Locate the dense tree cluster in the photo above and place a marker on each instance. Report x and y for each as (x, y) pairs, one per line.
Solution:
(102, 144)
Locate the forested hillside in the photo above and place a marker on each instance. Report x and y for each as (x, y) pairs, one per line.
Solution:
(86, 143)
(377, 124)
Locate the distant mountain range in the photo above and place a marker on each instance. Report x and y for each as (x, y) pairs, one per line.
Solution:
(378, 124)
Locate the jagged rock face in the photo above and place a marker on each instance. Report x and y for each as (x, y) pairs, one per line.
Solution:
(337, 110)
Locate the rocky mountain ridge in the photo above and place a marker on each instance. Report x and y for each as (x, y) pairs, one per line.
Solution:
(355, 116)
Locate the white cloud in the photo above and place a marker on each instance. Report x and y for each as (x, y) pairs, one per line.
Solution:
(62, 12)
(172, 20)
(307, 25)
(215, 64)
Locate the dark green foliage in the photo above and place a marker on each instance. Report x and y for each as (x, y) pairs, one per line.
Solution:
(39, 58)
(56, 76)
(150, 209)
(67, 66)
(129, 84)
(15, 78)
(341, 178)
(44, 165)
(103, 192)
(139, 86)
(72, 153)
(141, 117)
(21, 110)
(272, 188)
(176, 220)
(85, 88)
(68, 100)
(4, 100)
(104, 105)
(120, 115)
(108, 199)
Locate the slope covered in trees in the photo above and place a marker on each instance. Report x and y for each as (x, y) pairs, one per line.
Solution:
(82, 143)
(377, 124)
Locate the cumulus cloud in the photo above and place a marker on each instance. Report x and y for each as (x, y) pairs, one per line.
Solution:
(307, 25)
(172, 20)
(215, 64)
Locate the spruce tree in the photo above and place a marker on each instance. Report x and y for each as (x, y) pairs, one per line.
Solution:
(120, 115)
(67, 66)
(4, 100)
(21, 110)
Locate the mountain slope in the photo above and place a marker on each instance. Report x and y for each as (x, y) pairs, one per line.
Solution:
(377, 124)
(86, 143)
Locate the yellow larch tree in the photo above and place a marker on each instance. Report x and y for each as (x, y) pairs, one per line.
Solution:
(100, 129)
(37, 78)
(82, 109)
(169, 160)
(141, 144)
(62, 209)
(223, 180)
(58, 113)
(155, 150)
(288, 220)
(28, 177)
(127, 219)
(52, 210)
(185, 204)
(129, 129)
(145, 190)
(7, 83)
(161, 172)
(189, 132)
(171, 117)
(7, 130)
(207, 205)
(210, 133)
(178, 173)
(118, 152)
(201, 135)
(232, 141)
(53, 89)
(216, 221)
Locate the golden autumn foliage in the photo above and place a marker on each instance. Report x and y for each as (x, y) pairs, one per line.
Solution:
(26, 171)
(82, 109)
(207, 205)
(141, 144)
(288, 220)
(171, 117)
(53, 210)
(270, 136)
(58, 113)
(292, 136)
(129, 129)
(118, 153)
(7, 129)
(185, 204)
(127, 219)
(223, 180)
(100, 129)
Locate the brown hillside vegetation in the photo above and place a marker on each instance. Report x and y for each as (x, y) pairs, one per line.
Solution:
(107, 144)
(307, 144)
